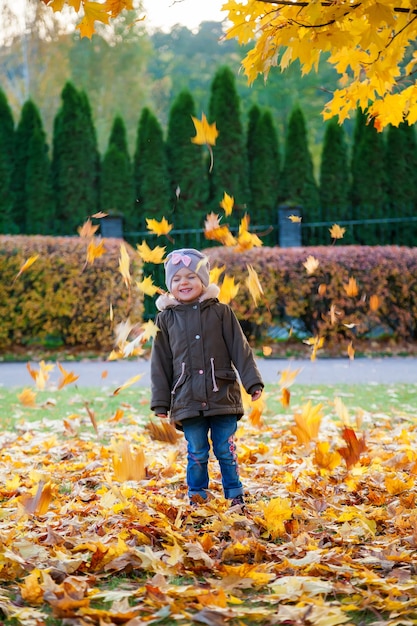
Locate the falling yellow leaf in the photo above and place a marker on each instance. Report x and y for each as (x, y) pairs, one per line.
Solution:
(28, 263)
(288, 377)
(127, 384)
(256, 411)
(266, 351)
(88, 229)
(316, 343)
(295, 218)
(99, 215)
(159, 228)
(39, 503)
(148, 255)
(351, 351)
(285, 397)
(67, 377)
(214, 232)
(162, 431)
(227, 204)
(128, 464)
(228, 289)
(324, 458)
(342, 411)
(27, 397)
(374, 303)
(215, 274)
(147, 286)
(42, 375)
(124, 265)
(311, 264)
(253, 284)
(95, 250)
(351, 288)
(206, 134)
(336, 232)
(307, 423)
(149, 330)
(322, 288)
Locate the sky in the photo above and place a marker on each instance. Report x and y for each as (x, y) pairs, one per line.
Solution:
(166, 13)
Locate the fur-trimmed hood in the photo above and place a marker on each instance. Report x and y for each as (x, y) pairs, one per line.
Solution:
(167, 300)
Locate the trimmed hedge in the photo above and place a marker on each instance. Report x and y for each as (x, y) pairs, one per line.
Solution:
(59, 301)
(386, 303)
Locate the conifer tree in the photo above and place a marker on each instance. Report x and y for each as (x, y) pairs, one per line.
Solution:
(151, 172)
(75, 162)
(188, 177)
(40, 216)
(252, 146)
(117, 190)
(29, 122)
(334, 174)
(265, 175)
(7, 155)
(368, 189)
(229, 173)
(401, 167)
(298, 183)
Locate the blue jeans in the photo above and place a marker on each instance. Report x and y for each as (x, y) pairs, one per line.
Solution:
(222, 430)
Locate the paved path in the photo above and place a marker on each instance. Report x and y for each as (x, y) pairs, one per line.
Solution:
(320, 372)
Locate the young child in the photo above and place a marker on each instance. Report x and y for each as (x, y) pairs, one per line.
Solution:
(196, 353)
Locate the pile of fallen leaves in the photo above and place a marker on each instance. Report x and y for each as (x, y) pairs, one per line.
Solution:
(96, 527)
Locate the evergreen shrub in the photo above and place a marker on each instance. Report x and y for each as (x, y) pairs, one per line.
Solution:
(59, 301)
(385, 305)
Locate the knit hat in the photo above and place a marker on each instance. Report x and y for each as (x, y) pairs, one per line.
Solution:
(192, 259)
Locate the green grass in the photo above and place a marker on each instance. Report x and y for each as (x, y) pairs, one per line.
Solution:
(389, 400)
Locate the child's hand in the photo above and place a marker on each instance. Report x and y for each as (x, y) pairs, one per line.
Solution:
(256, 395)
(161, 415)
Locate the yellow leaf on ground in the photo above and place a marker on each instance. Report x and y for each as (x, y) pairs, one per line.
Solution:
(307, 423)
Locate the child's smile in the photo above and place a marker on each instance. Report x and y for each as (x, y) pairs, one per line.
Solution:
(186, 286)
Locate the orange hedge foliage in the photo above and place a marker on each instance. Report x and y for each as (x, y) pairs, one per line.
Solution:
(386, 277)
(59, 300)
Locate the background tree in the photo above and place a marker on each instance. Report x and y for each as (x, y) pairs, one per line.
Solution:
(298, 183)
(117, 194)
(368, 187)
(40, 205)
(334, 174)
(401, 167)
(151, 172)
(75, 162)
(30, 121)
(254, 114)
(187, 172)
(7, 155)
(229, 173)
(265, 171)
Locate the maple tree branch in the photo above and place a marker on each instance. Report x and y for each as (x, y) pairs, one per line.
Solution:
(329, 4)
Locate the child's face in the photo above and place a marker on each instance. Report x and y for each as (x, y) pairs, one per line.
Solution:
(186, 285)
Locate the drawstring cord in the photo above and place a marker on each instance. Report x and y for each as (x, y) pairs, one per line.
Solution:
(179, 379)
(213, 376)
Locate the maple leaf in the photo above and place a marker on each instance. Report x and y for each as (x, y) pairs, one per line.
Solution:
(351, 287)
(213, 231)
(38, 504)
(158, 228)
(99, 215)
(40, 376)
(27, 397)
(307, 423)
(374, 303)
(246, 240)
(162, 431)
(148, 255)
(147, 286)
(324, 458)
(316, 344)
(351, 351)
(276, 512)
(322, 288)
(128, 464)
(354, 448)
(336, 232)
(31, 589)
(294, 218)
(311, 264)
(253, 284)
(93, 12)
(131, 381)
(95, 251)
(256, 412)
(228, 289)
(227, 204)
(28, 263)
(124, 265)
(206, 134)
(285, 397)
(67, 377)
(288, 377)
(215, 273)
(87, 230)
